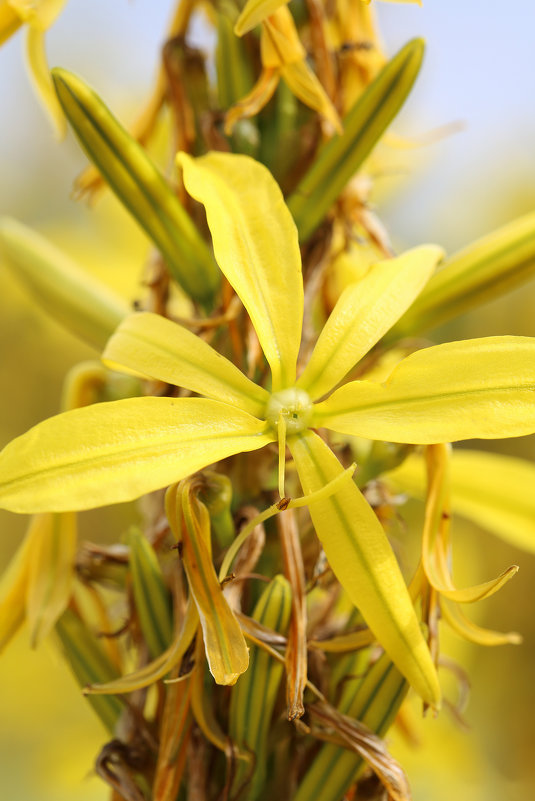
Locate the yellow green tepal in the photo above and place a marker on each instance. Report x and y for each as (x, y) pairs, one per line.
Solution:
(117, 451)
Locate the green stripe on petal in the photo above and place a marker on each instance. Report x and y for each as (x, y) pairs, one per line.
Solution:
(256, 247)
(361, 557)
(364, 312)
(158, 348)
(483, 388)
(113, 452)
(487, 488)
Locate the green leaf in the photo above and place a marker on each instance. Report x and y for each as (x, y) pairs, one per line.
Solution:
(59, 286)
(363, 313)
(492, 490)
(362, 560)
(150, 594)
(484, 270)
(255, 244)
(156, 347)
(117, 451)
(340, 158)
(481, 388)
(139, 186)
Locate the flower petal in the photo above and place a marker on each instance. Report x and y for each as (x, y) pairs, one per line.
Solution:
(279, 41)
(481, 388)
(436, 546)
(51, 571)
(492, 490)
(40, 73)
(159, 667)
(254, 12)
(307, 87)
(158, 348)
(464, 627)
(39, 13)
(117, 451)
(364, 312)
(60, 286)
(256, 247)
(13, 586)
(361, 557)
(10, 22)
(226, 651)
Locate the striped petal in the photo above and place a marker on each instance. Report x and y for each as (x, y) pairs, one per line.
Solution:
(256, 247)
(361, 557)
(364, 312)
(51, 571)
(158, 348)
(492, 490)
(482, 388)
(226, 651)
(113, 452)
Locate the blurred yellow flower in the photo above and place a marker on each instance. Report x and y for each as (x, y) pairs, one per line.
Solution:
(283, 56)
(38, 16)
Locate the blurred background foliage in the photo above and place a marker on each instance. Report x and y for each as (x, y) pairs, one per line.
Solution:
(475, 171)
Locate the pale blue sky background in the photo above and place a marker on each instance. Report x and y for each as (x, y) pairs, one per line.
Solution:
(479, 68)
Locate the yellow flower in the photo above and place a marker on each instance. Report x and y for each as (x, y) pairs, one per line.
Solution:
(283, 56)
(37, 584)
(116, 451)
(38, 16)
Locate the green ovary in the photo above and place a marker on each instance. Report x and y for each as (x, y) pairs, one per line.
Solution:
(293, 406)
